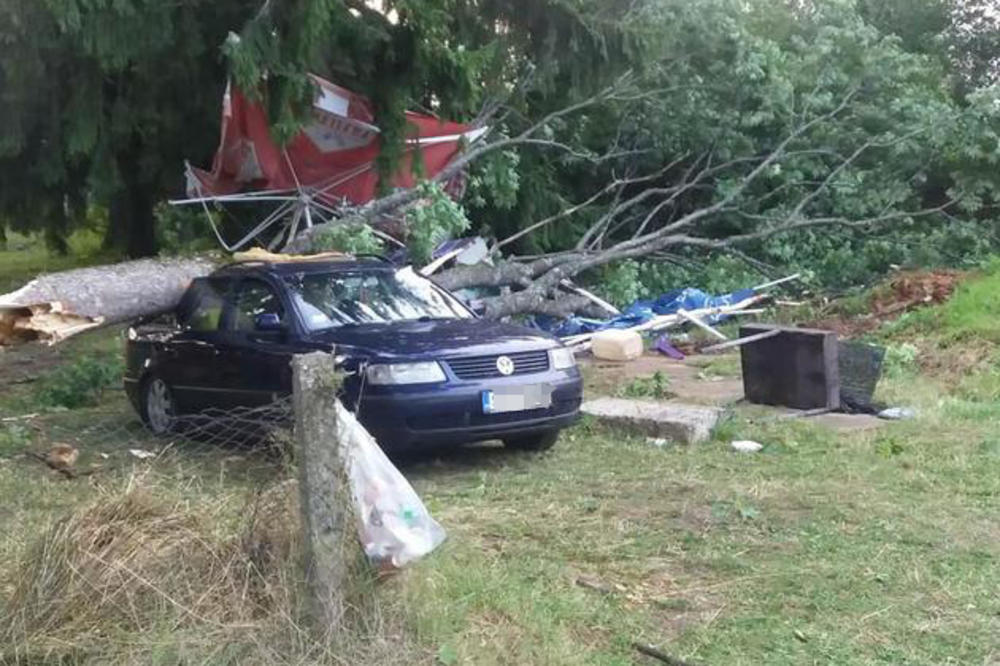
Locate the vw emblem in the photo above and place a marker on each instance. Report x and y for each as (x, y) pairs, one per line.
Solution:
(505, 366)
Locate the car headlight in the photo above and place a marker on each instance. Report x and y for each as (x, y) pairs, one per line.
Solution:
(426, 372)
(562, 358)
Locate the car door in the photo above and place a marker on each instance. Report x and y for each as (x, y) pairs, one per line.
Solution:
(192, 360)
(258, 353)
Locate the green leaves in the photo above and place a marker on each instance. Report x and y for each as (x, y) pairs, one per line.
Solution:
(351, 237)
(433, 219)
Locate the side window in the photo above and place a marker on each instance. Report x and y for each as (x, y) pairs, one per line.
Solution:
(255, 298)
(201, 307)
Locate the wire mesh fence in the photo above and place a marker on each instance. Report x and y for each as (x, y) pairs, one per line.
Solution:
(250, 442)
(113, 528)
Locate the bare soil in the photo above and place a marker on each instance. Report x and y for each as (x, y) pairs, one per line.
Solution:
(906, 291)
(689, 381)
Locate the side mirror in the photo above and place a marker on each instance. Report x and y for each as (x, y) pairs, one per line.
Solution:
(267, 321)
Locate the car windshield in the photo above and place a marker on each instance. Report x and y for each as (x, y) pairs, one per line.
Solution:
(327, 300)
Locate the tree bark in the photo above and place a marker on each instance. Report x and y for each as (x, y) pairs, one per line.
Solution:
(138, 198)
(55, 306)
(117, 232)
(56, 230)
(141, 232)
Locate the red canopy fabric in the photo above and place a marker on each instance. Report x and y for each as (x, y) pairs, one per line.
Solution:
(333, 155)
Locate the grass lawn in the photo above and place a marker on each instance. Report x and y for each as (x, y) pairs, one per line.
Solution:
(873, 547)
(879, 547)
(26, 256)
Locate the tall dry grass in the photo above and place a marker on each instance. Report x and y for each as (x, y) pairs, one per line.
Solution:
(140, 576)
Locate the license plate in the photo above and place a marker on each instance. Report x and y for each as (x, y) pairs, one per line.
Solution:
(517, 398)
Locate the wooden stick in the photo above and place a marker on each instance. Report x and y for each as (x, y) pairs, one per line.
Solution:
(432, 267)
(651, 651)
(741, 341)
(593, 297)
(700, 324)
(817, 411)
(775, 283)
(581, 341)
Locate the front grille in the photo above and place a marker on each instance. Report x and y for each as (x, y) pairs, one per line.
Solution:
(485, 367)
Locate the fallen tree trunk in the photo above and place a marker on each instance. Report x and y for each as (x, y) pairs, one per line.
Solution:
(53, 307)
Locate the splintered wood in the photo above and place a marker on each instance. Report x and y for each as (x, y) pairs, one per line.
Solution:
(45, 322)
(54, 307)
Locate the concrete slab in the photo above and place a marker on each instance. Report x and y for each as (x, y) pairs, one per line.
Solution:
(688, 424)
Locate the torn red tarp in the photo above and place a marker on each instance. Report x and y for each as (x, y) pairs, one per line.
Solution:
(333, 155)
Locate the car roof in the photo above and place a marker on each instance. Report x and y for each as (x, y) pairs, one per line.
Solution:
(295, 266)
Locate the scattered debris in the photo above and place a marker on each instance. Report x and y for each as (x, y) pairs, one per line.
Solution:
(746, 445)
(913, 288)
(597, 586)
(142, 454)
(658, 442)
(897, 413)
(691, 317)
(465, 251)
(594, 298)
(671, 309)
(617, 345)
(904, 292)
(798, 368)
(655, 653)
(860, 367)
(394, 526)
(581, 341)
(23, 417)
(664, 346)
(62, 458)
(800, 636)
(260, 254)
(806, 413)
(739, 342)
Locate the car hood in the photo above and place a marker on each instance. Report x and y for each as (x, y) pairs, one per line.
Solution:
(437, 338)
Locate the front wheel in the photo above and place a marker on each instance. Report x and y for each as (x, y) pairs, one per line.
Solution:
(158, 406)
(537, 442)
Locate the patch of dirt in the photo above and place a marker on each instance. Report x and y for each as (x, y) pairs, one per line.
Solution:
(905, 291)
(21, 366)
(917, 287)
(688, 382)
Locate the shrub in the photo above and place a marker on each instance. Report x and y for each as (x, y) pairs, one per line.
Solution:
(900, 359)
(14, 438)
(79, 384)
(655, 386)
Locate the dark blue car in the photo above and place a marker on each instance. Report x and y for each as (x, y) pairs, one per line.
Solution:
(423, 370)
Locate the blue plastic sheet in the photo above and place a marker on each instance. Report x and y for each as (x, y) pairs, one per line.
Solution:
(642, 311)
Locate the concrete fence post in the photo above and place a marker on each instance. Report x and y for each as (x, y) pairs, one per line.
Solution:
(330, 543)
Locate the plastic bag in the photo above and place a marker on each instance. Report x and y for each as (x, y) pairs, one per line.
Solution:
(394, 525)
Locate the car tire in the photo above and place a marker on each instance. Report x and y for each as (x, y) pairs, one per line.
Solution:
(537, 442)
(157, 406)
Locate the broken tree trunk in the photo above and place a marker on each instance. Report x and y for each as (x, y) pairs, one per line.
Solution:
(53, 307)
